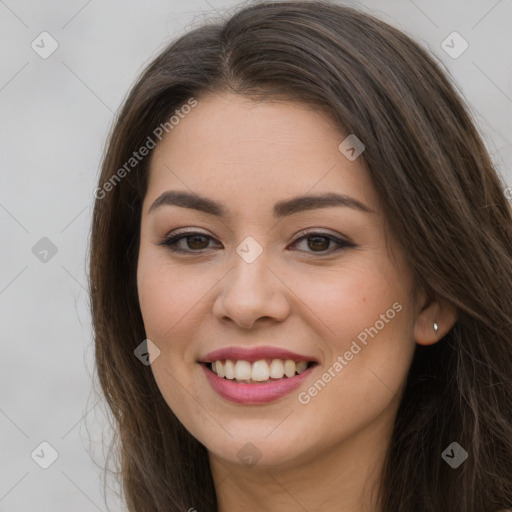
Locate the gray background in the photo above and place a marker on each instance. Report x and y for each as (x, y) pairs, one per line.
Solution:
(55, 116)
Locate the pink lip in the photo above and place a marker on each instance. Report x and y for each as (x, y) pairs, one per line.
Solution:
(254, 354)
(250, 394)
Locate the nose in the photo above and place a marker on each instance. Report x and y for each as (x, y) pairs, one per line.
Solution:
(251, 292)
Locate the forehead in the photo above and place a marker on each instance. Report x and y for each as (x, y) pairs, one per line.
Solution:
(239, 150)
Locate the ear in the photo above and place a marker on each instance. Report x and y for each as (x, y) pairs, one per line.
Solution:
(431, 310)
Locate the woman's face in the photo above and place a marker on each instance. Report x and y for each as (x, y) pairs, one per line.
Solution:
(251, 279)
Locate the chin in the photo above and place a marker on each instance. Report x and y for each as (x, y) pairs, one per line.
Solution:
(261, 444)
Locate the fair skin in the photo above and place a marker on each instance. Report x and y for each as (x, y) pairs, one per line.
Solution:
(326, 454)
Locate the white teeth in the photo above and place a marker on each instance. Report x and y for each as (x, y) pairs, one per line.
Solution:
(276, 369)
(243, 370)
(229, 368)
(219, 367)
(289, 368)
(258, 371)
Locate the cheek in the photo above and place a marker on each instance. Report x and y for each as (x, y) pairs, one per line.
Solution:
(166, 296)
(174, 305)
(367, 320)
(169, 303)
(154, 300)
(347, 301)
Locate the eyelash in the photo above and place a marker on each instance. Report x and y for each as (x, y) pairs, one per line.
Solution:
(170, 241)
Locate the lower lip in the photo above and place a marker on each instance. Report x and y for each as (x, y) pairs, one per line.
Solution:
(250, 394)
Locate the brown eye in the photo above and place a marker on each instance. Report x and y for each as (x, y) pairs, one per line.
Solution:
(187, 242)
(194, 242)
(320, 242)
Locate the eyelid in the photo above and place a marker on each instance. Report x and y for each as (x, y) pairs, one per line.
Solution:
(179, 234)
(300, 234)
(342, 241)
(192, 231)
(316, 231)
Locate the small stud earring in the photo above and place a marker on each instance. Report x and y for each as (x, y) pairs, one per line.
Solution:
(436, 327)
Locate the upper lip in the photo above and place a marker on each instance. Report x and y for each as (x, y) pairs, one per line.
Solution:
(254, 354)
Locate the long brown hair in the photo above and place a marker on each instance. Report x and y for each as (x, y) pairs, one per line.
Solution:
(443, 201)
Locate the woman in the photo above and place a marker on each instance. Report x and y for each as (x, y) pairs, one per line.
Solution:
(301, 276)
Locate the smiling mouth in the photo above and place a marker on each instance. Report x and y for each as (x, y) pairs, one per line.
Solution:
(258, 372)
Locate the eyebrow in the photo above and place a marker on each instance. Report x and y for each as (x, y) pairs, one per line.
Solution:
(281, 208)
